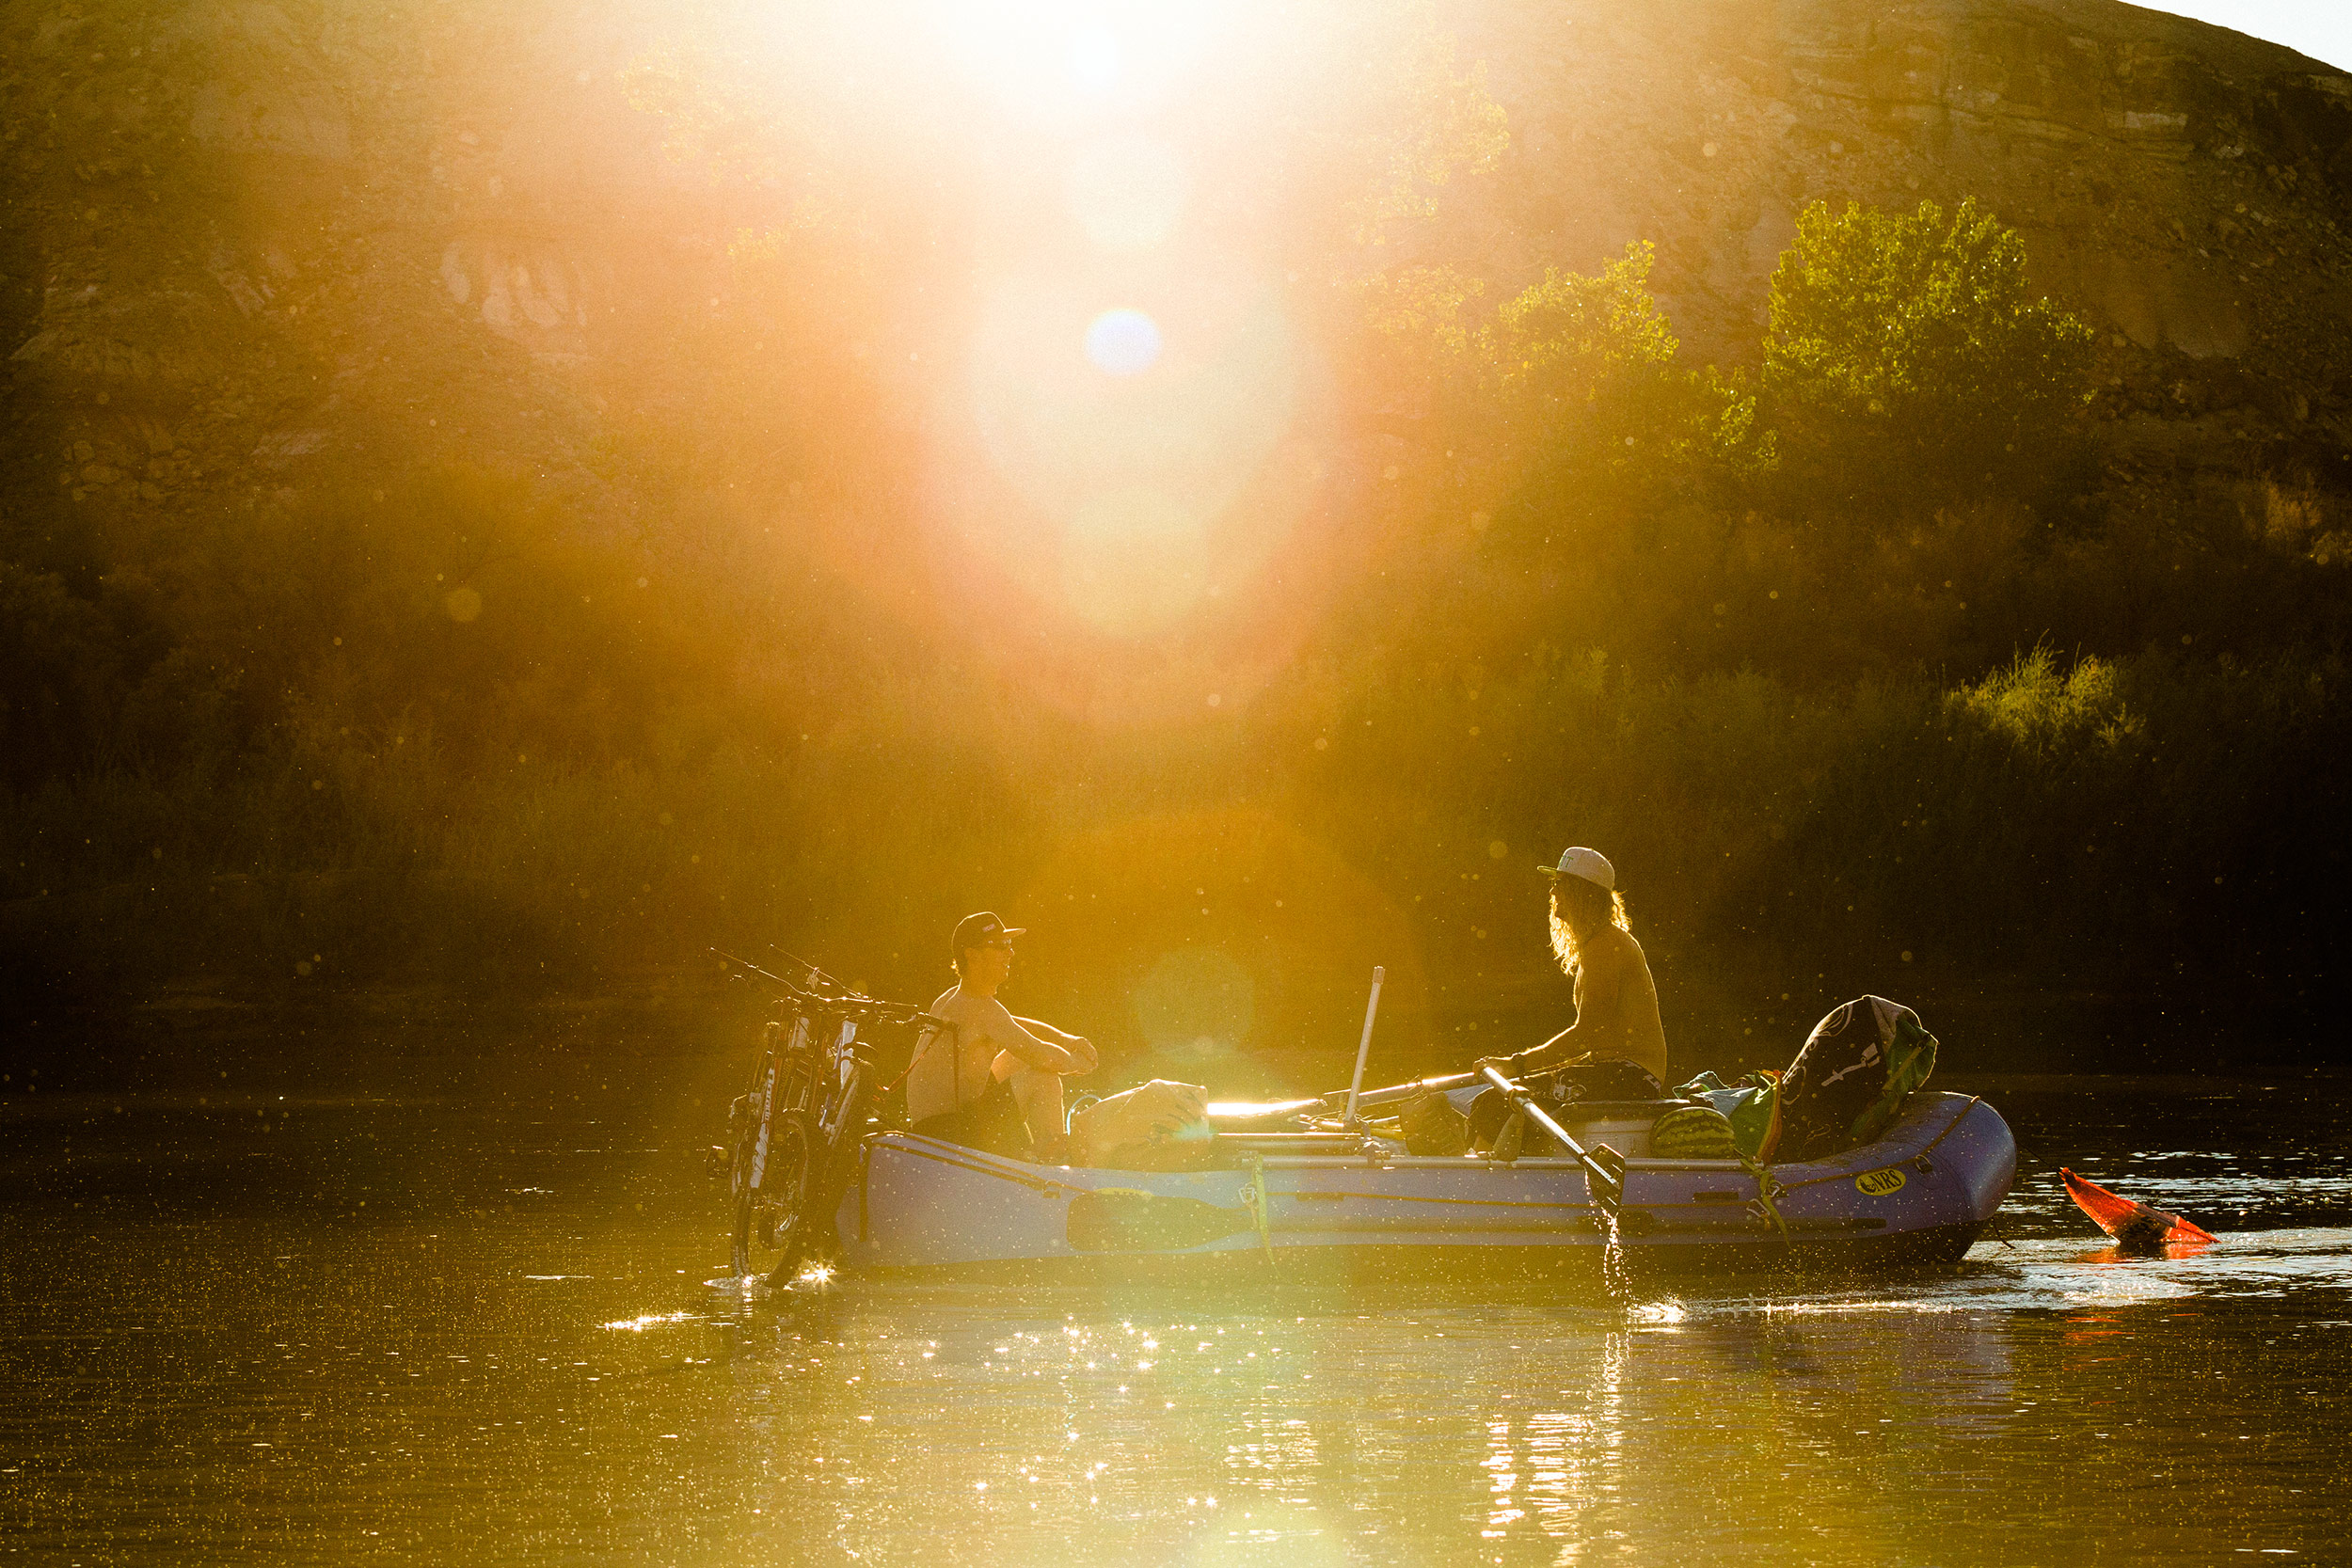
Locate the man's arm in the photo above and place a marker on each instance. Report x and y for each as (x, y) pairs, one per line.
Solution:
(1600, 982)
(1078, 1045)
(1561, 1041)
(999, 1026)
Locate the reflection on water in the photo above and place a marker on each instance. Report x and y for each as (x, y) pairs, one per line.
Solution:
(411, 1333)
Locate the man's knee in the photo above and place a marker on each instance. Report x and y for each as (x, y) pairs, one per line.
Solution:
(1036, 1086)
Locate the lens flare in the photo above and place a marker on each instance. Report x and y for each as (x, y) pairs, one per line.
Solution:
(1141, 484)
(1134, 561)
(1197, 1003)
(1123, 342)
(1127, 194)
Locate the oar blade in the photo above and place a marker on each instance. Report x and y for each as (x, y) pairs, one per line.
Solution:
(2135, 1224)
(2107, 1211)
(1604, 1177)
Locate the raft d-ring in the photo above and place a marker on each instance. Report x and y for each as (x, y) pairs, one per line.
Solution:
(1924, 1165)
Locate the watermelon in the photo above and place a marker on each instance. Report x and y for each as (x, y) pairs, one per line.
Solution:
(1693, 1132)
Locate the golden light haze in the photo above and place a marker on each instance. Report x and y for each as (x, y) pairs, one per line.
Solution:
(515, 494)
(1109, 324)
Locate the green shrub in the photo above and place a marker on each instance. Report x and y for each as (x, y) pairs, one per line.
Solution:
(1908, 357)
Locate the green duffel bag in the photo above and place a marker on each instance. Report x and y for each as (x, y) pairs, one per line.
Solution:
(1753, 1104)
(1693, 1132)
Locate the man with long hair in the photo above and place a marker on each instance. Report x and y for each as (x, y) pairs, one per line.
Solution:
(1616, 1048)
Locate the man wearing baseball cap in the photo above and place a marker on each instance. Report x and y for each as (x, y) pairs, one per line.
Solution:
(1616, 1036)
(992, 1081)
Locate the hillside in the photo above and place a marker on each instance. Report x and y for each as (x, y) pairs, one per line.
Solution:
(245, 239)
(2186, 188)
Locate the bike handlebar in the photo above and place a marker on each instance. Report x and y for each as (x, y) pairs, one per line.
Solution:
(851, 1005)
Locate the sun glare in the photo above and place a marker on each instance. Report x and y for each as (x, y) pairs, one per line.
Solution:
(1131, 374)
(1130, 436)
(1128, 192)
(1053, 60)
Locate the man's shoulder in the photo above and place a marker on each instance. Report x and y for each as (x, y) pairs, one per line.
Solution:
(1614, 946)
(966, 1010)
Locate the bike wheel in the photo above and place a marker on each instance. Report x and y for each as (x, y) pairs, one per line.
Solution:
(833, 1139)
(768, 1216)
(739, 1231)
(808, 1237)
(763, 1185)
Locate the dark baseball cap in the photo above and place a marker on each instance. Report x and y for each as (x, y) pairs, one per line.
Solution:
(983, 929)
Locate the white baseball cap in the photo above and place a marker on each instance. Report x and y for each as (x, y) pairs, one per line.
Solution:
(1591, 864)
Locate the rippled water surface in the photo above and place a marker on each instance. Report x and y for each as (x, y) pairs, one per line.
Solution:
(448, 1330)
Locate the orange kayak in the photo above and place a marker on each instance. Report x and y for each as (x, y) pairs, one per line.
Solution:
(2134, 1226)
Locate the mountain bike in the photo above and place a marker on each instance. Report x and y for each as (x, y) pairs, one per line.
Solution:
(793, 1135)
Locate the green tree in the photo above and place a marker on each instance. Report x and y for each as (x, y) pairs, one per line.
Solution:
(1577, 370)
(1585, 361)
(1582, 385)
(1908, 355)
(1433, 119)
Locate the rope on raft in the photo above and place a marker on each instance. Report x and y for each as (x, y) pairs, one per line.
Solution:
(1767, 1192)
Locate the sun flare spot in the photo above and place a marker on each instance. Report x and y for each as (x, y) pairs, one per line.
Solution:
(1123, 341)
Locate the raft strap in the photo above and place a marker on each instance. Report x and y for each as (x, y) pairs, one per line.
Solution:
(1767, 1192)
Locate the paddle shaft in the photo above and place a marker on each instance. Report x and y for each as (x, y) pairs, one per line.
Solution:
(1363, 1047)
(1608, 1188)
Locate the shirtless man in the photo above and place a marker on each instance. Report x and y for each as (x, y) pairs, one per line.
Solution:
(992, 1081)
(1617, 1027)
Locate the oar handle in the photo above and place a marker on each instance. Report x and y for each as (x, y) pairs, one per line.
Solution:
(1607, 1184)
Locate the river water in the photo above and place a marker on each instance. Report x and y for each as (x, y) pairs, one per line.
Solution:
(277, 1329)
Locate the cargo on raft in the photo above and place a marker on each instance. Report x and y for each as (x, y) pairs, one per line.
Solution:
(813, 1178)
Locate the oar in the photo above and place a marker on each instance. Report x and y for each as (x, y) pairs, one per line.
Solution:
(1395, 1092)
(1363, 1047)
(1606, 1183)
(2136, 1226)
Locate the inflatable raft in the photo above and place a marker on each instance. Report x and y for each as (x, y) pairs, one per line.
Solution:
(1298, 1201)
